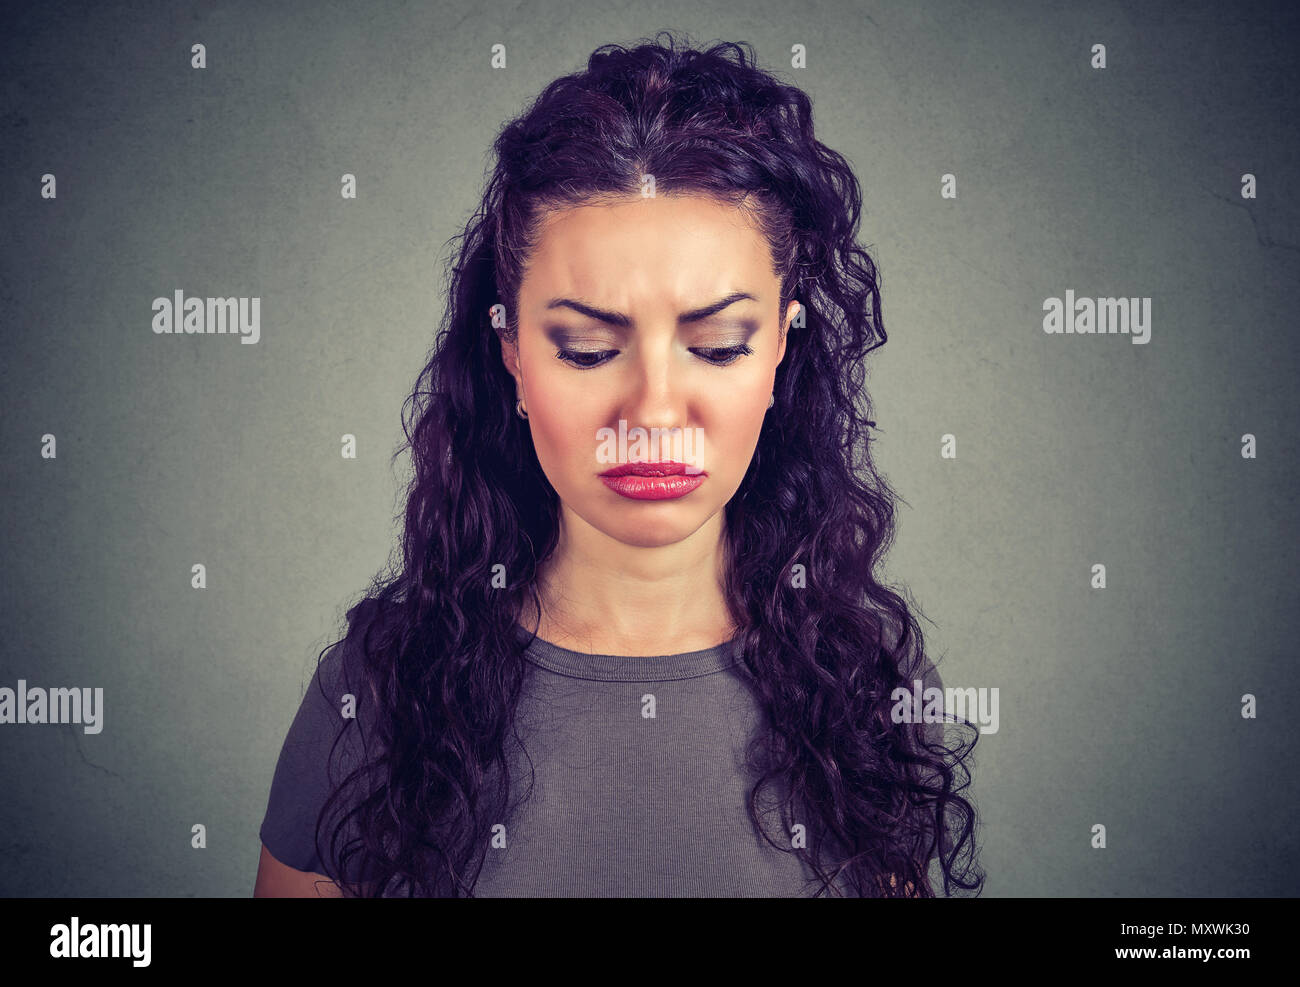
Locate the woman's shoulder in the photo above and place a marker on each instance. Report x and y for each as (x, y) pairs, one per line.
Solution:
(326, 741)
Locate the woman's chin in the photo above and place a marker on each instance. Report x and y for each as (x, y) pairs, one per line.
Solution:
(642, 532)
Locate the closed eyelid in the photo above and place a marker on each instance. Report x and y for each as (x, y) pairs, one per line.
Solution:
(727, 335)
(568, 338)
(718, 356)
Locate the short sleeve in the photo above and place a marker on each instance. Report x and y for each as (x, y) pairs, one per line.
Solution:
(310, 766)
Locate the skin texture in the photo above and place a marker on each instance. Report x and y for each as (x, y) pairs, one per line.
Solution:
(641, 578)
(635, 578)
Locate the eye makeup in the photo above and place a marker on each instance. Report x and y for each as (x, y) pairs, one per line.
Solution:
(587, 348)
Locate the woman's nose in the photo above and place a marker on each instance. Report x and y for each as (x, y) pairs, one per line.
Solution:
(658, 390)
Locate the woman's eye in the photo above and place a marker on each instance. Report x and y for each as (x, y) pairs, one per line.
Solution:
(585, 359)
(723, 355)
(717, 355)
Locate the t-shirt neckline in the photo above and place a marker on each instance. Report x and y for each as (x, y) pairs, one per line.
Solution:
(628, 668)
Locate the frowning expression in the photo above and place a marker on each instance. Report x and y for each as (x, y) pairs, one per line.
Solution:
(653, 314)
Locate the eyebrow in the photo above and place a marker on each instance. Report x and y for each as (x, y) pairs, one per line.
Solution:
(619, 319)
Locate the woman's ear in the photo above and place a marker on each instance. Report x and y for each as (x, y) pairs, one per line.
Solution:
(791, 311)
(509, 355)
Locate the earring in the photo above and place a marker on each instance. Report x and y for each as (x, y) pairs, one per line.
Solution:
(773, 400)
(519, 409)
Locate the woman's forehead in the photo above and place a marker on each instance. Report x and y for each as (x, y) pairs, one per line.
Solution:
(691, 250)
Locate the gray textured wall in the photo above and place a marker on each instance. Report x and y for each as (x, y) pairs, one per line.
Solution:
(1119, 706)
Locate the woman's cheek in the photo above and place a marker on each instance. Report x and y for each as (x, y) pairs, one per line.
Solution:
(569, 449)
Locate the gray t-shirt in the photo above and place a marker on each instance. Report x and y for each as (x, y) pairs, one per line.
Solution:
(639, 786)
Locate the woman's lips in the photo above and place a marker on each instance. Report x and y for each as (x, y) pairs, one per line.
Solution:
(651, 481)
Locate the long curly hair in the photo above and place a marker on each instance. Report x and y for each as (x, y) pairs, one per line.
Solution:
(441, 663)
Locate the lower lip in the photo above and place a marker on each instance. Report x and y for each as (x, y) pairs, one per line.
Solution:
(653, 487)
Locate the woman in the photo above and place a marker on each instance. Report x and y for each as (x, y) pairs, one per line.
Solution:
(617, 666)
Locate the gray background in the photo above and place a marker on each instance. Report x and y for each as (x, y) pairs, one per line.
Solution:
(1118, 706)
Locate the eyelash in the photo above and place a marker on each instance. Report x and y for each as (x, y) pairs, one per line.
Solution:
(731, 355)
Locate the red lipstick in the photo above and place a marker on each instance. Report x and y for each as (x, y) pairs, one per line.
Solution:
(651, 481)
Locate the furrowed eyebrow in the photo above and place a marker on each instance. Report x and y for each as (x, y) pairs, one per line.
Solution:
(625, 322)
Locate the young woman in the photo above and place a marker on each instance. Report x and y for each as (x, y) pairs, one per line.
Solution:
(613, 666)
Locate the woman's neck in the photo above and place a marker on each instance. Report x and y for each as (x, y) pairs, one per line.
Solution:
(600, 596)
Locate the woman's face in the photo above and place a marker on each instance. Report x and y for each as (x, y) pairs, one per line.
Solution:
(648, 332)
